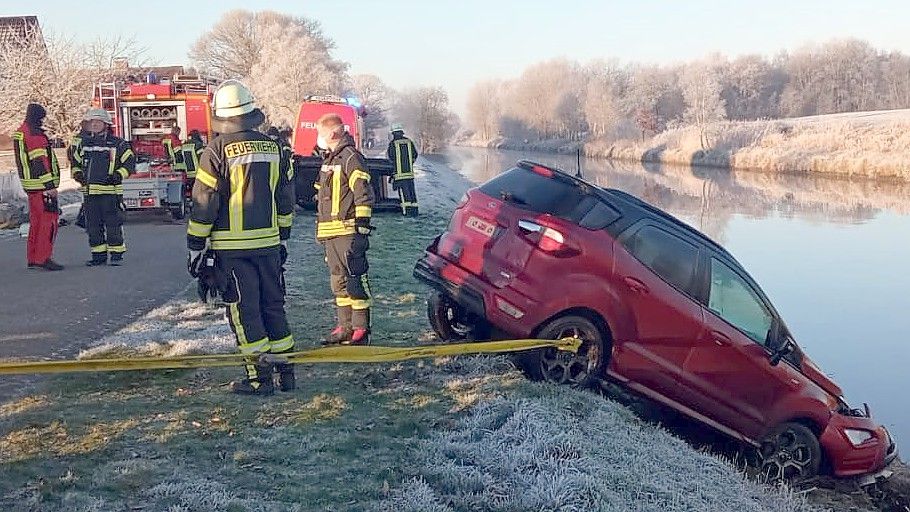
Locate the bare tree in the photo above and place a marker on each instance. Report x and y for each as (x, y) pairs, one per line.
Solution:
(425, 113)
(701, 88)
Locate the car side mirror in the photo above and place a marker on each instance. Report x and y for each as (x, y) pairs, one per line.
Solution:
(785, 348)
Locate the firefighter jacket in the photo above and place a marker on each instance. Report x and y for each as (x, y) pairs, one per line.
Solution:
(172, 149)
(35, 160)
(344, 195)
(191, 151)
(101, 162)
(242, 199)
(402, 152)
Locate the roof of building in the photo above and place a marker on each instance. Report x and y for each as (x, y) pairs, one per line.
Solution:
(18, 29)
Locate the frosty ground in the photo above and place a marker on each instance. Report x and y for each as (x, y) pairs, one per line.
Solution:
(454, 434)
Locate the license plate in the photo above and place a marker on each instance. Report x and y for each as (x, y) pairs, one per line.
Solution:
(482, 227)
(131, 203)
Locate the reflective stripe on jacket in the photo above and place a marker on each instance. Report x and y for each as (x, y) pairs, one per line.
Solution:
(344, 193)
(104, 162)
(35, 160)
(242, 199)
(191, 151)
(402, 152)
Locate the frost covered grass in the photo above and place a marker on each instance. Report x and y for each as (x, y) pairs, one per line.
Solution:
(864, 144)
(452, 434)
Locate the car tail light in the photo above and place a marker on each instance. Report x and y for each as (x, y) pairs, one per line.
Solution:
(541, 170)
(148, 201)
(546, 238)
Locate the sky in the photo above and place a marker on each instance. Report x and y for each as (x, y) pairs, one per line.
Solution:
(455, 44)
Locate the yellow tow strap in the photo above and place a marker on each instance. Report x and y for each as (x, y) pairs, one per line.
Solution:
(337, 354)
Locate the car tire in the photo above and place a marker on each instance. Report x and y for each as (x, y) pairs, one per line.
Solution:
(579, 370)
(178, 211)
(790, 453)
(451, 323)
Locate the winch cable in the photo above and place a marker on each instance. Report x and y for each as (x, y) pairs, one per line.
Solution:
(334, 354)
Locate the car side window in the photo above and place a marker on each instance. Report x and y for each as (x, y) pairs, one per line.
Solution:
(668, 255)
(732, 299)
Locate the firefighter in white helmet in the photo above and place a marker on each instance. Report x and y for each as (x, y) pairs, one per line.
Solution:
(243, 208)
(101, 162)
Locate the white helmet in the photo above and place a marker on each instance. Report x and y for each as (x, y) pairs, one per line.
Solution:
(232, 99)
(396, 127)
(98, 114)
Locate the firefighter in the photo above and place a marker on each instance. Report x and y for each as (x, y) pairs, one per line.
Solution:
(191, 150)
(344, 202)
(172, 145)
(402, 153)
(74, 155)
(102, 161)
(243, 210)
(40, 177)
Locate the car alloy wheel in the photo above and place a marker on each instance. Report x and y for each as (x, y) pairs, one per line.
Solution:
(579, 369)
(790, 453)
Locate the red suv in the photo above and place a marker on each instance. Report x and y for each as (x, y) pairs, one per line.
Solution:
(661, 309)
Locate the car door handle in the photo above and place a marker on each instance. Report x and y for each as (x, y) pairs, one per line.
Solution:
(636, 286)
(720, 338)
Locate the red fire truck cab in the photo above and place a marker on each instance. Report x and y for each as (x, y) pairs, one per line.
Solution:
(144, 113)
(307, 160)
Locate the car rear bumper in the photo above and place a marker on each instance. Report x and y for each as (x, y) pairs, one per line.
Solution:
(475, 295)
(848, 460)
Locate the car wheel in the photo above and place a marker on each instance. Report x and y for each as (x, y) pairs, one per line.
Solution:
(581, 369)
(790, 453)
(178, 211)
(451, 322)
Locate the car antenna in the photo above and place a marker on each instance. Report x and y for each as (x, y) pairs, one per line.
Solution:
(578, 173)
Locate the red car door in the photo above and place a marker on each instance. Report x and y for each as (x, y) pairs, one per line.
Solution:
(654, 272)
(727, 370)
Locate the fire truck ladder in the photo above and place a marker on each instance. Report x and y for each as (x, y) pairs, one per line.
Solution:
(108, 94)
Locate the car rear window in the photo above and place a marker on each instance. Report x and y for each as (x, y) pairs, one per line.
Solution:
(558, 196)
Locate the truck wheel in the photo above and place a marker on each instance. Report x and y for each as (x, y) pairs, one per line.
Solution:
(790, 453)
(579, 370)
(450, 322)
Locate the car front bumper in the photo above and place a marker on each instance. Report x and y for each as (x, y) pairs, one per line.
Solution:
(869, 458)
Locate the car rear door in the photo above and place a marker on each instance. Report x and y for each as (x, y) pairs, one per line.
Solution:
(655, 271)
(728, 369)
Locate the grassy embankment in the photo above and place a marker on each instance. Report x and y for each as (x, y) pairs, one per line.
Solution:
(463, 434)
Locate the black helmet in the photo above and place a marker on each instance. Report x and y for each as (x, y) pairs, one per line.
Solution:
(34, 115)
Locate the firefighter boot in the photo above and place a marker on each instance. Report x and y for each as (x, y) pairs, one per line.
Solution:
(287, 381)
(116, 259)
(343, 330)
(262, 384)
(361, 334)
(97, 259)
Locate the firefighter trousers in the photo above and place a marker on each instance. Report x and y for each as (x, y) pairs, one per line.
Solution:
(408, 195)
(104, 223)
(255, 309)
(42, 230)
(346, 257)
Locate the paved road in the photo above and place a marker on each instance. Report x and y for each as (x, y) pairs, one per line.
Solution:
(54, 314)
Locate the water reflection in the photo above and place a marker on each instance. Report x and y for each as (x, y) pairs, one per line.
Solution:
(830, 253)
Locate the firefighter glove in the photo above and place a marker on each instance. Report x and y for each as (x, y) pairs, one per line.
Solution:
(362, 226)
(194, 262)
(283, 251)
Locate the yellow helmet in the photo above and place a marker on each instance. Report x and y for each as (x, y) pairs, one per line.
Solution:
(232, 99)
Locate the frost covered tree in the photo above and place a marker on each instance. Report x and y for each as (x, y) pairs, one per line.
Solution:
(484, 109)
(425, 114)
(281, 58)
(701, 88)
(606, 84)
(752, 87)
(58, 72)
(374, 96)
(280, 83)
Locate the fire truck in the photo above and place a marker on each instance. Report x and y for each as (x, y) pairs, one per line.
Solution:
(144, 112)
(307, 162)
